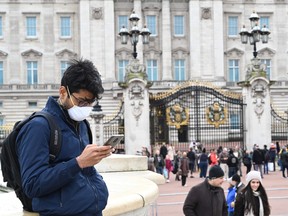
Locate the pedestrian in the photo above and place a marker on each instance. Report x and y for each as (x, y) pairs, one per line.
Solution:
(184, 168)
(272, 155)
(163, 150)
(253, 199)
(223, 157)
(191, 156)
(239, 185)
(207, 198)
(168, 167)
(159, 162)
(232, 163)
(284, 161)
(258, 160)
(266, 159)
(71, 185)
(203, 163)
(230, 198)
(239, 154)
(176, 165)
(247, 160)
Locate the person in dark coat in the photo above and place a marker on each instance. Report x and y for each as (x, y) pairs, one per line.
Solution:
(184, 167)
(258, 160)
(207, 198)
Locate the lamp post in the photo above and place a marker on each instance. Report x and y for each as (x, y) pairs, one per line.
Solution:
(255, 34)
(134, 33)
(97, 127)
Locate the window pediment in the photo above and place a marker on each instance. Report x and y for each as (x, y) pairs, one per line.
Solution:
(66, 53)
(31, 53)
(234, 52)
(180, 52)
(266, 52)
(3, 54)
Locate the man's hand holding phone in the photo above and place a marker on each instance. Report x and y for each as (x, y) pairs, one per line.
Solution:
(93, 154)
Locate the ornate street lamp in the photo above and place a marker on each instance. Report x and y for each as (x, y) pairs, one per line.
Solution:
(255, 34)
(134, 33)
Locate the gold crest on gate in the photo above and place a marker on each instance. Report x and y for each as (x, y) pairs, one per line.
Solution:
(177, 116)
(216, 114)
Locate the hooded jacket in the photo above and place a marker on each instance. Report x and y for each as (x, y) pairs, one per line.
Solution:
(61, 188)
(204, 199)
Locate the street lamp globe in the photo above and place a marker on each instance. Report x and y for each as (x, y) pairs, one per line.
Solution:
(254, 18)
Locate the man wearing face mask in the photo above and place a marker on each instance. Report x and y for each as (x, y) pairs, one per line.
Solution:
(70, 185)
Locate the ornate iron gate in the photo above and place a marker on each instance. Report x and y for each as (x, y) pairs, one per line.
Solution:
(197, 112)
(279, 128)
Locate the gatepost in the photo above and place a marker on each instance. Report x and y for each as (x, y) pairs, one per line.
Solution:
(136, 108)
(257, 112)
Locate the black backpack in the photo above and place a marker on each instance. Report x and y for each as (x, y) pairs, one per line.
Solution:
(9, 161)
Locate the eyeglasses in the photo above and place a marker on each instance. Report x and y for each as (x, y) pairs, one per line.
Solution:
(81, 102)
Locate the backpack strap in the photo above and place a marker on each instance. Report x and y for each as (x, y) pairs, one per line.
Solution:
(89, 131)
(55, 134)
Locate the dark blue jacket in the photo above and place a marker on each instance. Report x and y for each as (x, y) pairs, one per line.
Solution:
(61, 188)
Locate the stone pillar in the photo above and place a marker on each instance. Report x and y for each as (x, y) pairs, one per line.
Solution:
(195, 46)
(257, 112)
(109, 35)
(84, 19)
(166, 38)
(97, 125)
(136, 108)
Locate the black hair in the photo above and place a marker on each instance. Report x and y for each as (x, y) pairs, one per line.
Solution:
(82, 74)
(250, 202)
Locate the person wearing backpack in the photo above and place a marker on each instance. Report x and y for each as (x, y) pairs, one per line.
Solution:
(70, 185)
(232, 163)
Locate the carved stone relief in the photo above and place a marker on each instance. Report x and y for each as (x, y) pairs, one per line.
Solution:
(97, 13)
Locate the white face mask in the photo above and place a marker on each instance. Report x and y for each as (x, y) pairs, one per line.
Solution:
(79, 113)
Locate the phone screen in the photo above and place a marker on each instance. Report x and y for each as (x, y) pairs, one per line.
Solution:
(114, 140)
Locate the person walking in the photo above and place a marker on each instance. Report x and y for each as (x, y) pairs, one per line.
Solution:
(239, 154)
(253, 199)
(230, 199)
(71, 185)
(232, 163)
(207, 198)
(168, 167)
(184, 168)
(191, 156)
(258, 159)
(159, 162)
(203, 163)
(247, 160)
(266, 159)
(223, 157)
(272, 155)
(284, 161)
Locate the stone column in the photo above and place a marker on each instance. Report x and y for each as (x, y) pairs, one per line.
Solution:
(257, 112)
(195, 50)
(85, 33)
(109, 35)
(166, 38)
(136, 108)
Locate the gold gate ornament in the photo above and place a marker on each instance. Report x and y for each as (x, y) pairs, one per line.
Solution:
(177, 115)
(216, 114)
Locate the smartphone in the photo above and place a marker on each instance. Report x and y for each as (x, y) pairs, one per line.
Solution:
(114, 140)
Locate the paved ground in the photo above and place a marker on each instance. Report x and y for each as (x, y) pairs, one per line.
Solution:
(172, 195)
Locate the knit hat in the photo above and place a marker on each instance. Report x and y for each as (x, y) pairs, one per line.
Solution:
(236, 178)
(215, 172)
(253, 175)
